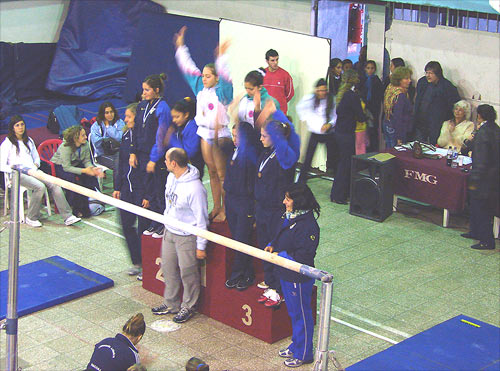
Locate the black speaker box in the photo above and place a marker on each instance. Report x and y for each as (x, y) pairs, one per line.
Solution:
(371, 187)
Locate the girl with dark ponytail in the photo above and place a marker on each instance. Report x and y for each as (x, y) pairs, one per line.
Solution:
(149, 145)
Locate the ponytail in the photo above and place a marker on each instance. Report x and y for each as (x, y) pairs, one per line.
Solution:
(186, 105)
(157, 82)
(135, 326)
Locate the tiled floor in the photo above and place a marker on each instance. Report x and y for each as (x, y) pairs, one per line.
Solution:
(392, 280)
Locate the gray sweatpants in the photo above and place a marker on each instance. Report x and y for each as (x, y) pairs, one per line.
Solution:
(38, 187)
(179, 264)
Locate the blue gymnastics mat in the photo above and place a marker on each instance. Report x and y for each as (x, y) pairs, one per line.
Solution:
(461, 343)
(48, 282)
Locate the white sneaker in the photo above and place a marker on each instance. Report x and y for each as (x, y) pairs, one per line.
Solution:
(72, 220)
(33, 223)
(134, 270)
(157, 235)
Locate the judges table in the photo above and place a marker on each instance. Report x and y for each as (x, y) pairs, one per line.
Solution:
(430, 181)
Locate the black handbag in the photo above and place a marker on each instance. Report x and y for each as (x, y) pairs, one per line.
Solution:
(110, 146)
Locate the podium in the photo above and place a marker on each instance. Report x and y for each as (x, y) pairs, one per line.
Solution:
(238, 309)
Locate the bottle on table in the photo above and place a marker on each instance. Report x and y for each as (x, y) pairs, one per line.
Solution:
(454, 160)
(449, 156)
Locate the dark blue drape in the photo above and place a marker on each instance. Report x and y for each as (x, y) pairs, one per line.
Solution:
(153, 52)
(94, 47)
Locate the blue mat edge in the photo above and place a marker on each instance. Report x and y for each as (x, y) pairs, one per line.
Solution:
(107, 283)
(356, 365)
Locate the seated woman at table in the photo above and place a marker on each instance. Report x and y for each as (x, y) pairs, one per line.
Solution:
(455, 131)
(398, 108)
(73, 163)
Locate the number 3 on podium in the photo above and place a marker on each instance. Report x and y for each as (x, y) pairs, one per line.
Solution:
(247, 320)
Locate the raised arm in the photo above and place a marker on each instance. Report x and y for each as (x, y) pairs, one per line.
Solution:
(225, 90)
(191, 72)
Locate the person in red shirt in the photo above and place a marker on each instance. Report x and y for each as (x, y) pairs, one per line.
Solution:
(277, 81)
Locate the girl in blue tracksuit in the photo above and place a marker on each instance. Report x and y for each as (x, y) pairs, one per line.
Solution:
(240, 201)
(254, 101)
(130, 186)
(184, 132)
(214, 92)
(275, 172)
(297, 240)
(149, 144)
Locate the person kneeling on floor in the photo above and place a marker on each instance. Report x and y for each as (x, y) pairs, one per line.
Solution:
(186, 201)
(119, 353)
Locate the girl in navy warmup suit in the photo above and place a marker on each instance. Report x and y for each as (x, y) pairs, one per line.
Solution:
(119, 353)
(297, 240)
(184, 132)
(240, 202)
(349, 111)
(130, 186)
(275, 172)
(149, 144)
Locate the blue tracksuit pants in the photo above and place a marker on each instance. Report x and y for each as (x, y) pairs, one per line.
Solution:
(298, 302)
(132, 234)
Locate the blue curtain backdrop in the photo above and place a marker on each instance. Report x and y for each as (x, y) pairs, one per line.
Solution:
(94, 47)
(333, 22)
(153, 52)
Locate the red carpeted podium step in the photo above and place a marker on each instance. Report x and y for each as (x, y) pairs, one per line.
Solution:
(238, 309)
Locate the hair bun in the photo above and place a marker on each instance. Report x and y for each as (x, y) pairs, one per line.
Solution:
(163, 76)
(187, 99)
(262, 71)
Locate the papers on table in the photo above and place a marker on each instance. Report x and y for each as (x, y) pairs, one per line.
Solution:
(382, 157)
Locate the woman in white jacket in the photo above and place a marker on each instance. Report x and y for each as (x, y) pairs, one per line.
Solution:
(19, 149)
(318, 111)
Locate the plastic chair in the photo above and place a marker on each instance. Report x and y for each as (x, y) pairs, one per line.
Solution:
(46, 150)
(22, 191)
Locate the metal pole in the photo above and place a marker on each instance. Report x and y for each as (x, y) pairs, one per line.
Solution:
(325, 310)
(12, 319)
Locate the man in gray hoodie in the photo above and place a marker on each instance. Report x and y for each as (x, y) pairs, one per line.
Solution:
(186, 202)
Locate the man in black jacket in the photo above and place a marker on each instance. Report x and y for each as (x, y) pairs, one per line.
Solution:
(434, 103)
(484, 179)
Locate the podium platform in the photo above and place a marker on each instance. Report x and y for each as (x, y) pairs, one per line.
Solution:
(238, 309)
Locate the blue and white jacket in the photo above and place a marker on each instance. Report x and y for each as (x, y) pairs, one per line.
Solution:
(116, 353)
